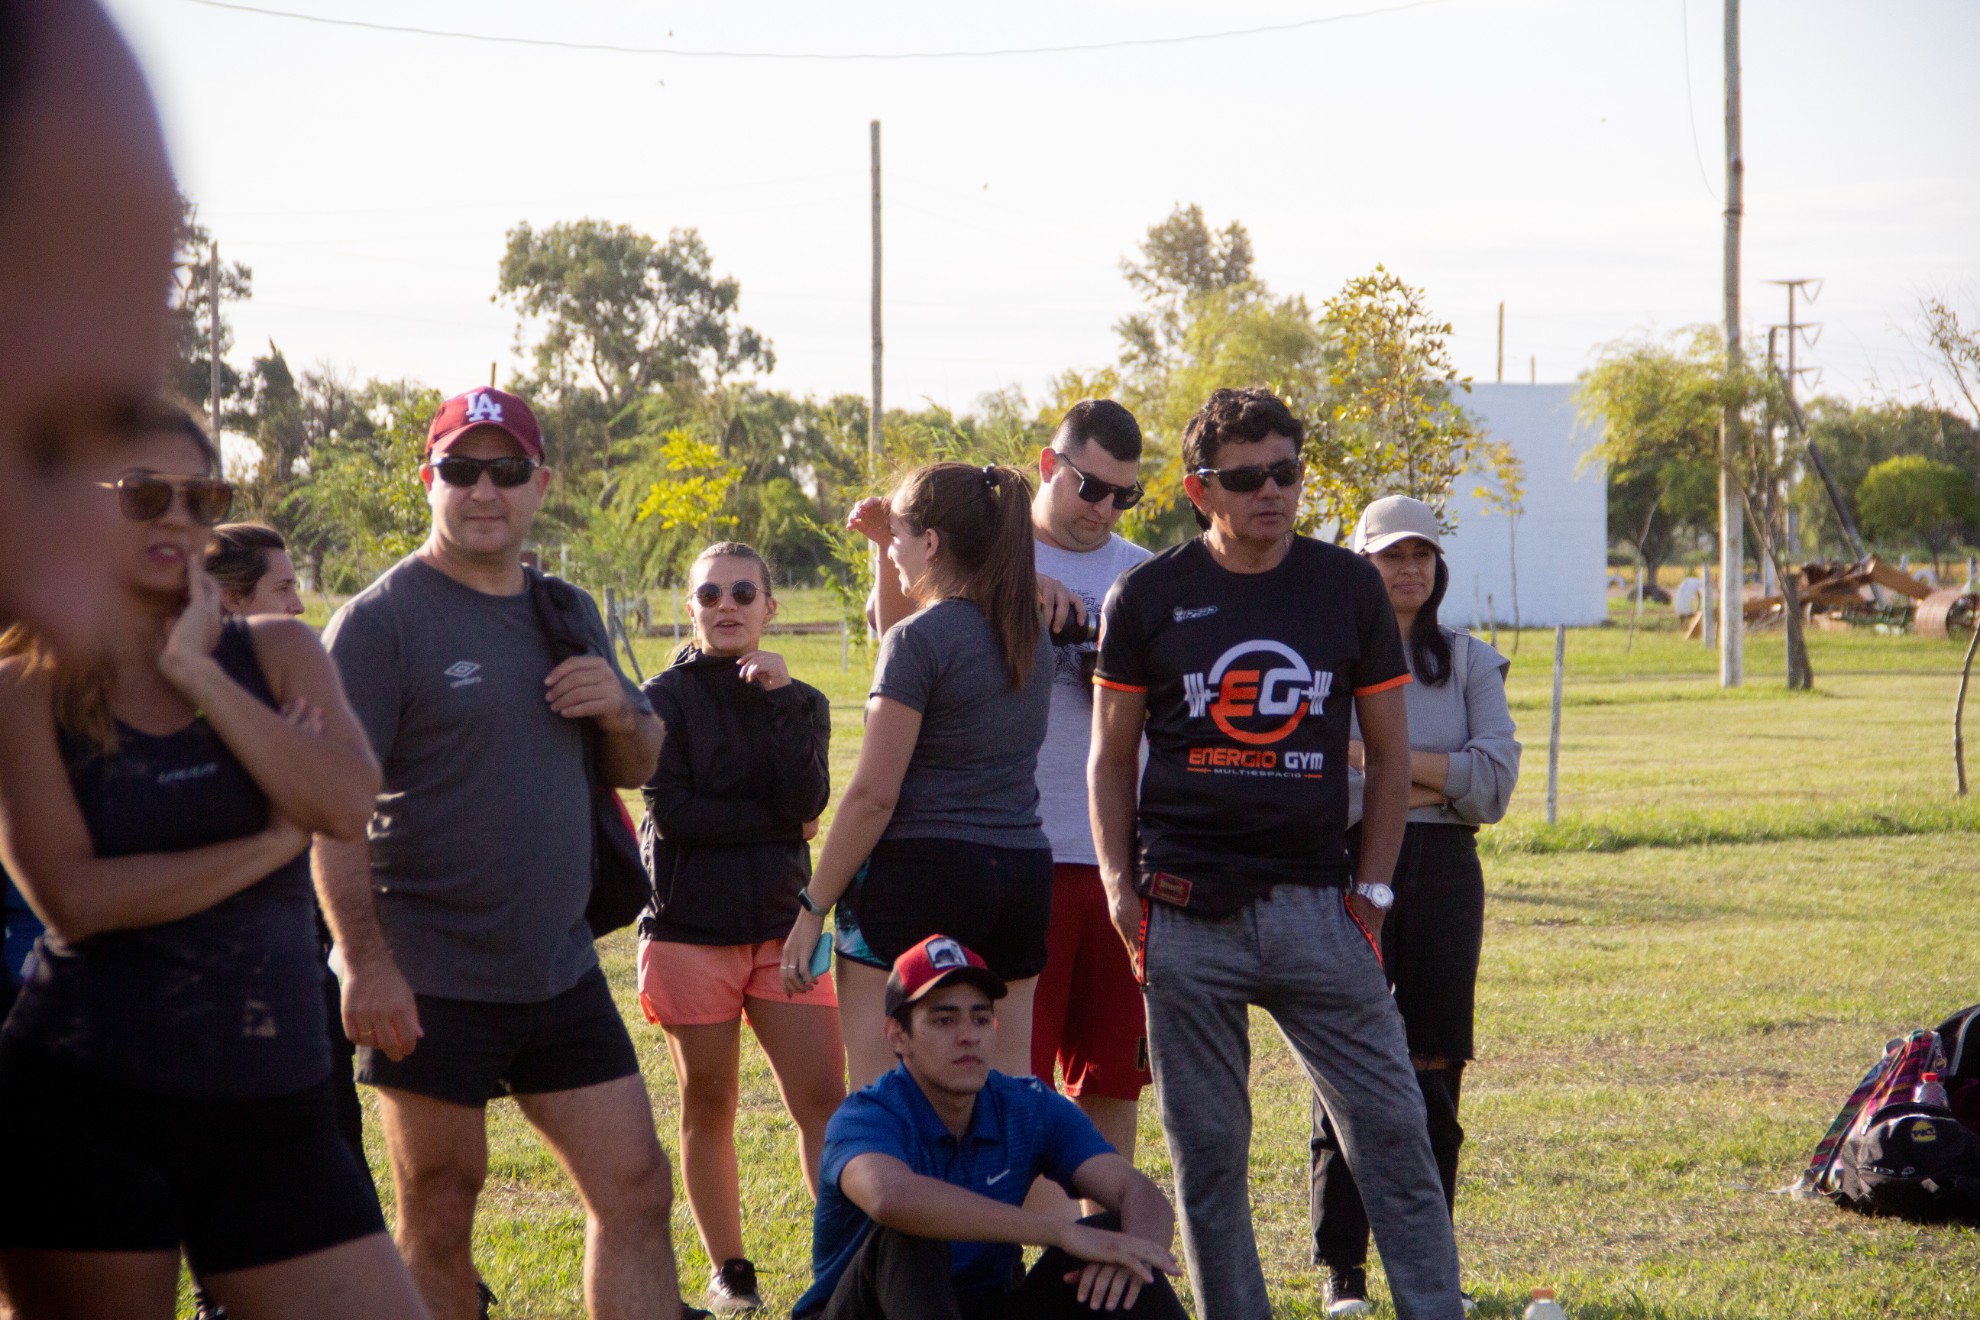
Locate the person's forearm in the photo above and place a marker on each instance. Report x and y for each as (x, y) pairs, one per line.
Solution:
(342, 872)
(1430, 769)
(96, 895)
(630, 751)
(929, 1208)
(322, 786)
(1384, 812)
(856, 827)
(1145, 1213)
(1110, 811)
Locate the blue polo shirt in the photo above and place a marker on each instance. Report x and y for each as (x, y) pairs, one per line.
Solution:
(1019, 1130)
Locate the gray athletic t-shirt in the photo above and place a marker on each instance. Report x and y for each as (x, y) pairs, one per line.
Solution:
(1069, 736)
(972, 773)
(481, 841)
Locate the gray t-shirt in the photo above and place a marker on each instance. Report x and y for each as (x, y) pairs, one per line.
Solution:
(1069, 737)
(972, 773)
(481, 841)
(1466, 716)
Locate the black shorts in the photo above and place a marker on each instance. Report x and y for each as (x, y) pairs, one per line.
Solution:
(474, 1052)
(1432, 937)
(997, 901)
(94, 1165)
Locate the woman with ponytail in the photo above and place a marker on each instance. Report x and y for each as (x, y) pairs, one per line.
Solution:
(939, 831)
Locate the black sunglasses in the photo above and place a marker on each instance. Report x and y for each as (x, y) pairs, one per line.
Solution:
(743, 592)
(507, 472)
(144, 496)
(1093, 490)
(1287, 473)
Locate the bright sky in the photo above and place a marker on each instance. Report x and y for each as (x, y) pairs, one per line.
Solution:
(1549, 153)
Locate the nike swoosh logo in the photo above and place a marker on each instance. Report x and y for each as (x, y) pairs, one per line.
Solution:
(992, 1181)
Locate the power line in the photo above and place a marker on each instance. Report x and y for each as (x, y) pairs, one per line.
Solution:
(1690, 108)
(687, 53)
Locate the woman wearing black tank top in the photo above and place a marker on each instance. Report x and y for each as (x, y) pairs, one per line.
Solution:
(168, 1053)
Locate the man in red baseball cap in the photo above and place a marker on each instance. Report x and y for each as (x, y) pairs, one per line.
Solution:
(468, 966)
(923, 1180)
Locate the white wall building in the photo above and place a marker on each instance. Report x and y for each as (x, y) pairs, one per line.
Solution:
(1562, 537)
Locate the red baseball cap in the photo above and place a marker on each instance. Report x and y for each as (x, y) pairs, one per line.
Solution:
(485, 407)
(935, 962)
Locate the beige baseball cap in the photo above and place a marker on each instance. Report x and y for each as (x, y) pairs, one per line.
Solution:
(1391, 519)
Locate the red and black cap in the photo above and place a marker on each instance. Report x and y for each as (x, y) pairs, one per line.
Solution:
(935, 962)
(485, 407)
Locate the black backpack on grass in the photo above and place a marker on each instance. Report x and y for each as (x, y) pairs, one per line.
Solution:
(1914, 1161)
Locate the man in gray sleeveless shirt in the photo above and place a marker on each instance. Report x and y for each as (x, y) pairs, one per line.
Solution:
(469, 971)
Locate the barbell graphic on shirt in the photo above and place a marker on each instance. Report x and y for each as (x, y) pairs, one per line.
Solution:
(1293, 690)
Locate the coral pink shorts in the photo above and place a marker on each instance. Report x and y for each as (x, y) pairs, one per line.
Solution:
(693, 985)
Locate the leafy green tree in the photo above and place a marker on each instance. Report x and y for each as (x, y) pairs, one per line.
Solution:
(1853, 438)
(1181, 260)
(1958, 349)
(1657, 403)
(610, 316)
(362, 508)
(1912, 500)
(1388, 421)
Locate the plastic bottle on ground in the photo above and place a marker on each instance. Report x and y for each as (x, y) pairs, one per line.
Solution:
(1544, 1307)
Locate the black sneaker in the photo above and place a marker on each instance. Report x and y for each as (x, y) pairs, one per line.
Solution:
(205, 1308)
(1346, 1291)
(487, 1297)
(732, 1289)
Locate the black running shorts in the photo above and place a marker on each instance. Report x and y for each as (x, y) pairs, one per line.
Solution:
(94, 1165)
(997, 901)
(474, 1052)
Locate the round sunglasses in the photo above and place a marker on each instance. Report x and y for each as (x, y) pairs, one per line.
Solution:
(1286, 473)
(507, 472)
(742, 592)
(145, 496)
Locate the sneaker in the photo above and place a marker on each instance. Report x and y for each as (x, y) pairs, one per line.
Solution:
(486, 1296)
(1467, 1301)
(205, 1308)
(732, 1289)
(1346, 1291)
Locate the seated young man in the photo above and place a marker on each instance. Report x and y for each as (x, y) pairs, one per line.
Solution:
(925, 1172)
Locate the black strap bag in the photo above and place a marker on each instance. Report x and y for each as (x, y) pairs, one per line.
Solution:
(1915, 1161)
(620, 887)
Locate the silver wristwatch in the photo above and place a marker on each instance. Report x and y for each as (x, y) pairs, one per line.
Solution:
(1379, 897)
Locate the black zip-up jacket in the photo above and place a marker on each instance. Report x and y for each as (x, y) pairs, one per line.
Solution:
(740, 773)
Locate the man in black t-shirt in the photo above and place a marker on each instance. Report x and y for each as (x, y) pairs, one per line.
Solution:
(1229, 873)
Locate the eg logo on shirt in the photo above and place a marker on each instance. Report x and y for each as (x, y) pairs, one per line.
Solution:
(1258, 693)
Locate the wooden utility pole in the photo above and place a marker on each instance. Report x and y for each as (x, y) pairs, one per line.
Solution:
(875, 412)
(1732, 535)
(1501, 376)
(213, 340)
(873, 417)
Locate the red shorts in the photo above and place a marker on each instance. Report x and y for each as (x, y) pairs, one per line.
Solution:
(693, 985)
(1087, 1016)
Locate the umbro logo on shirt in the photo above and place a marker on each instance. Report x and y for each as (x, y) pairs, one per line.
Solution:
(462, 673)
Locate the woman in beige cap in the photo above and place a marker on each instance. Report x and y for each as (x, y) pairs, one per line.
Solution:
(1464, 761)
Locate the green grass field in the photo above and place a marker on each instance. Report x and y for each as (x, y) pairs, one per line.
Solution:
(1746, 894)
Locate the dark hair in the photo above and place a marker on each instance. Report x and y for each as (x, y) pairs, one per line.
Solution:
(1103, 422)
(984, 517)
(177, 418)
(1236, 417)
(237, 556)
(738, 550)
(1429, 649)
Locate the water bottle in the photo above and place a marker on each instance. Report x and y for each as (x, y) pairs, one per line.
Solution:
(1544, 1307)
(1931, 1092)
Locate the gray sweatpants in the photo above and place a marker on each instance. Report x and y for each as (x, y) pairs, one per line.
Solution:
(1300, 956)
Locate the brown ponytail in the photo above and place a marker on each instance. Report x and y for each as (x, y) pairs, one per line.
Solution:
(983, 515)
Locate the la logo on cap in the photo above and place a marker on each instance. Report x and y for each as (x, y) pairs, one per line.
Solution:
(483, 408)
(946, 954)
